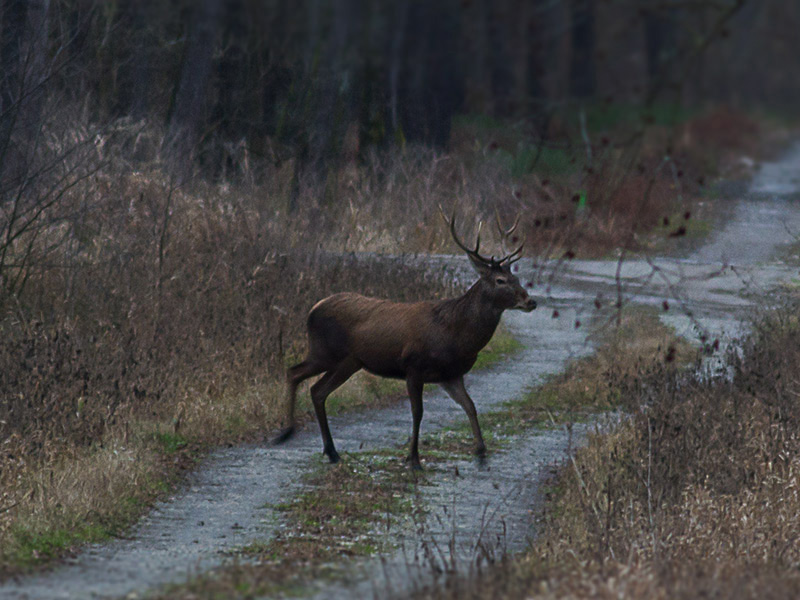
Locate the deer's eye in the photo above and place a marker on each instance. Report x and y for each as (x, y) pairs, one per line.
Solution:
(501, 280)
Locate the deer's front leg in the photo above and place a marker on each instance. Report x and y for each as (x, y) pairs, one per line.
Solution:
(456, 390)
(414, 385)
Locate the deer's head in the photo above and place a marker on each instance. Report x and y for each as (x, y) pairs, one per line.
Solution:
(497, 282)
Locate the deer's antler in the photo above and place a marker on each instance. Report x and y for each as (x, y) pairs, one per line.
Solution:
(505, 234)
(451, 223)
(508, 258)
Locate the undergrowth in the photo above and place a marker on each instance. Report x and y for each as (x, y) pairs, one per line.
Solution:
(135, 307)
(695, 495)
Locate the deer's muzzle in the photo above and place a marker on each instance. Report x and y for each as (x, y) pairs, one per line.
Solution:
(526, 305)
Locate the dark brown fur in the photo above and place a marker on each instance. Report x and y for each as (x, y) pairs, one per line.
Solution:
(421, 342)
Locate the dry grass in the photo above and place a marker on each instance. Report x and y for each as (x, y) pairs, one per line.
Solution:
(163, 325)
(636, 339)
(695, 495)
(137, 314)
(628, 343)
(164, 328)
(353, 509)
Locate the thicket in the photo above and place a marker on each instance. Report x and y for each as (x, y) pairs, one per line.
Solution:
(176, 185)
(694, 495)
(138, 315)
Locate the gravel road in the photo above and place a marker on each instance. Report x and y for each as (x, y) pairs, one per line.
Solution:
(225, 502)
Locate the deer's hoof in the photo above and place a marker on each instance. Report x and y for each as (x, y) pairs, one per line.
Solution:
(333, 456)
(414, 461)
(283, 435)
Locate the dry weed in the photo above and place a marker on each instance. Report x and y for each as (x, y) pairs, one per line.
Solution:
(696, 495)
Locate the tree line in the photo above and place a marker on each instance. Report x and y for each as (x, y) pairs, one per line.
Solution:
(319, 80)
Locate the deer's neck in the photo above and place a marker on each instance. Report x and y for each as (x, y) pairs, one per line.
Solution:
(471, 318)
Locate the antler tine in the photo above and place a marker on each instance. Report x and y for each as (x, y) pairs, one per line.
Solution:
(504, 235)
(514, 256)
(451, 222)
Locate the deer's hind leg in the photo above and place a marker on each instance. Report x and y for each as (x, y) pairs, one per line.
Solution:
(332, 379)
(294, 377)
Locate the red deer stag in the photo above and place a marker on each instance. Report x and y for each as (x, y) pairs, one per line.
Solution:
(421, 342)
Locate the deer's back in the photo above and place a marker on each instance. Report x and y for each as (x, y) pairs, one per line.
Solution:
(386, 337)
(379, 333)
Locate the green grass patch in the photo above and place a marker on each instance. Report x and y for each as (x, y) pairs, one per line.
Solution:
(544, 160)
(169, 442)
(31, 548)
(610, 116)
(32, 543)
(478, 122)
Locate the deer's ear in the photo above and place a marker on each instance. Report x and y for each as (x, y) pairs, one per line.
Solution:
(481, 267)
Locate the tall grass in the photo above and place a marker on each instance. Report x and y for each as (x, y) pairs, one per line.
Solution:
(133, 306)
(695, 495)
(154, 317)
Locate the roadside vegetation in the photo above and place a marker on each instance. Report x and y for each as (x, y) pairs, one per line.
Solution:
(361, 506)
(180, 182)
(143, 320)
(694, 495)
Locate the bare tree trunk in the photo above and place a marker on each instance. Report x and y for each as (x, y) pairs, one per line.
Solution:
(659, 39)
(338, 81)
(231, 83)
(431, 88)
(582, 82)
(500, 68)
(12, 77)
(396, 63)
(37, 68)
(190, 105)
(541, 58)
(540, 48)
(25, 75)
(144, 42)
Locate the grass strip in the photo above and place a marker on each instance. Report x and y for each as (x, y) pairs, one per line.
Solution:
(358, 507)
(102, 491)
(349, 511)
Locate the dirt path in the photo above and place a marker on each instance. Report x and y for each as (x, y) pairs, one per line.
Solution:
(711, 292)
(222, 507)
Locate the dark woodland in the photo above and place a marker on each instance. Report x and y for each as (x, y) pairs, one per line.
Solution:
(181, 181)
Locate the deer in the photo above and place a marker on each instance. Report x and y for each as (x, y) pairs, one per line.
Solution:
(419, 342)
